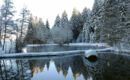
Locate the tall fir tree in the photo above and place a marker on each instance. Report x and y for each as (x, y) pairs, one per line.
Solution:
(7, 17)
(47, 24)
(77, 24)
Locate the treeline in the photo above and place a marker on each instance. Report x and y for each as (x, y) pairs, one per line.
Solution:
(27, 29)
(63, 30)
(107, 22)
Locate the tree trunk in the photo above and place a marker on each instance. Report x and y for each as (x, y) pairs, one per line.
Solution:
(4, 37)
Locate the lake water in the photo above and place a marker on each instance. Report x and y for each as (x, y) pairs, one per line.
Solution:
(54, 48)
(109, 66)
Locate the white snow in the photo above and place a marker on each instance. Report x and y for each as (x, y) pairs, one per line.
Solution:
(61, 53)
(121, 50)
(39, 54)
(88, 44)
(31, 45)
(72, 44)
(94, 52)
(89, 53)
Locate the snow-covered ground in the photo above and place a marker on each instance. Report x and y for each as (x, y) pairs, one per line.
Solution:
(62, 53)
(40, 54)
(72, 44)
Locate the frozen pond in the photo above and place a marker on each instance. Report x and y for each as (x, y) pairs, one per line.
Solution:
(75, 67)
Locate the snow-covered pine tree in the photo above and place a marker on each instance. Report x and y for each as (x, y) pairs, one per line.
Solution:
(1, 27)
(37, 32)
(49, 33)
(61, 31)
(94, 23)
(24, 20)
(7, 13)
(30, 32)
(85, 15)
(109, 21)
(47, 24)
(77, 24)
(56, 30)
(116, 16)
(65, 24)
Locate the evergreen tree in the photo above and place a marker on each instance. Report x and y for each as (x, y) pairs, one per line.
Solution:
(77, 24)
(7, 17)
(24, 20)
(61, 31)
(109, 23)
(1, 27)
(57, 21)
(29, 36)
(37, 32)
(68, 35)
(85, 16)
(47, 24)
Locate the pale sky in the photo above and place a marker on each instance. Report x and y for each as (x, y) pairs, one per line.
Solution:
(49, 9)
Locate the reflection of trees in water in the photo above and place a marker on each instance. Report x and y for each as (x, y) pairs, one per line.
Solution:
(54, 48)
(109, 67)
(118, 68)
(38, 65)
(62, 65)
(14, 70)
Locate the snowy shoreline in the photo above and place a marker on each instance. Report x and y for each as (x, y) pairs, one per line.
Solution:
(62, 53)
(71, 44)
(41, 54)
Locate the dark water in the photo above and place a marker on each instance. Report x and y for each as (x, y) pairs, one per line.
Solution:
(107, 67)
(54, 48)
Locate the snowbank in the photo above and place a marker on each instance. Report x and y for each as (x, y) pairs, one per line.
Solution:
(89, 44)
(40, 54)
(72, 44)
(62, 53)
(106, 50)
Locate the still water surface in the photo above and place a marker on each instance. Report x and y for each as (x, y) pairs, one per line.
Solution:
(54, 48)
(74, 67)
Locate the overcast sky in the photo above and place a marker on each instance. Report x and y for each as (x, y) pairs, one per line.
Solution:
(49, 9)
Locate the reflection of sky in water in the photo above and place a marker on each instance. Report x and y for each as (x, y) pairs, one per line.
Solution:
(109, 67)
(10, 63)
(52, 74)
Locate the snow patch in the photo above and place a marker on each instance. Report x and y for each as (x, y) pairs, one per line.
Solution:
(40, 54)
(60, 53)
(72, 44)
(100, 50)
(88, 53)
